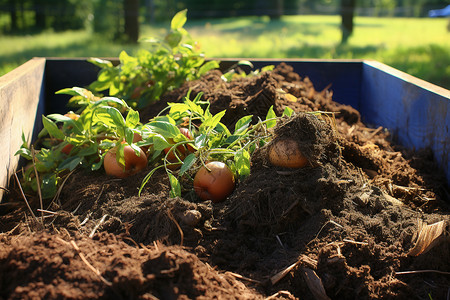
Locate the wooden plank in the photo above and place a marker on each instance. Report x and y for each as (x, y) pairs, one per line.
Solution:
(20, 93)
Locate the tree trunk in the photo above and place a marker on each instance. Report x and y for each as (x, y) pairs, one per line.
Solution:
(347, 13)
(279, 9)
(22, 14)
(39, 14)
(131, 26)
(13, 15)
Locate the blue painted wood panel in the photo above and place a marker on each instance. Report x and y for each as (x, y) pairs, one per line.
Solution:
(414, 111)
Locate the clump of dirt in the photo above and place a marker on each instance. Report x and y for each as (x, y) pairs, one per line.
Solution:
(345, 222)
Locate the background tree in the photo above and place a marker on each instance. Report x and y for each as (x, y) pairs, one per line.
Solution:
(347, 14)
(12, 6)
(39, 14)
(131, 25)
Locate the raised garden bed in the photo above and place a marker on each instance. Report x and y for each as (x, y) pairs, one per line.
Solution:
(346, 225)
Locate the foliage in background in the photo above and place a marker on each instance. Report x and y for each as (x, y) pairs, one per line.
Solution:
(390, 40)
(106, 16)
(36, 15)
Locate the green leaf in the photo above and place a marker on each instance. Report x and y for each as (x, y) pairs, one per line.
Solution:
(136, 149)
(242, 159)
(59, 118)
(267, 68)
(147, 178)
(120, 156)
(208, 66)
(132, 119)
(245, 63)
(231, 139)
(129, 136)
(271, 115)
(242, 125)
(70, 163)
(193, 106)
(166, 129)
(74, 91)
(174, 38)
(107, 144)
(228, 76)
(109, 116)
(110, 101)
(212, 122)
(288, 111)
(92, 149)
(178, 108)
(49, 185)
(66, 120)
(223, 129)
(97, 165)
(46, 160)
(188, 162)
(102, 63)
(200, 140)
(100, 85)
(159, 142)
(24, 140)
(175, 187)
(179, 20)
(52, 129)
(24, 152)
(125, 58)
(105, 76)
(114, 87)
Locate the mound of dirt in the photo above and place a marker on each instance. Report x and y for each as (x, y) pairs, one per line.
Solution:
(47, 266)
(341, 227)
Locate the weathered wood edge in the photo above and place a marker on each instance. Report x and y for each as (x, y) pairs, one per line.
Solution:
(20, 102)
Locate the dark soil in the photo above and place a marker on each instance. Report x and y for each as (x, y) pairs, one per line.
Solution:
(349, 218)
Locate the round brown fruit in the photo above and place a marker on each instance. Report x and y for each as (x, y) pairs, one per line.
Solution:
(133, 162)
(286, 153)
(214, 184)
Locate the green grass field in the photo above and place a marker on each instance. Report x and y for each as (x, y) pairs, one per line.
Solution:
(420, 47)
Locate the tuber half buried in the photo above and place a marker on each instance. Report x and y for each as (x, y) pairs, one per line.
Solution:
(133, 163)
(214, 182)
(286, 153)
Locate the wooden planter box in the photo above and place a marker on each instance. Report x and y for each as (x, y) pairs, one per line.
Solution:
(416, 112)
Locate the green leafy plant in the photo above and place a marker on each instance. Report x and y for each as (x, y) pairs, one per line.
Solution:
(168, 63)
(72, 140)
(183, 138)
(211, 141)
